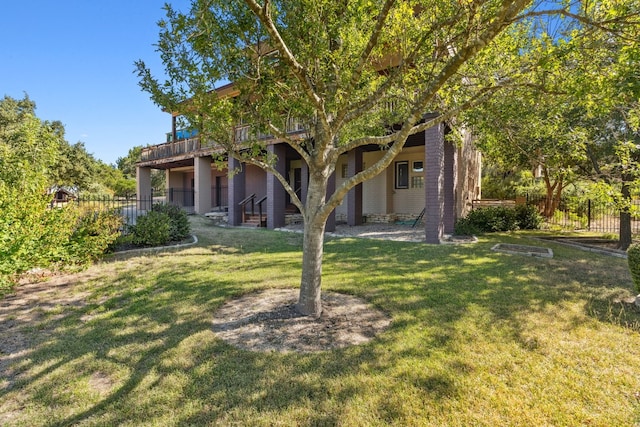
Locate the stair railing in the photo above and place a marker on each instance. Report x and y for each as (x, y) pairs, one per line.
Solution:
(260, 202)
(243, 204)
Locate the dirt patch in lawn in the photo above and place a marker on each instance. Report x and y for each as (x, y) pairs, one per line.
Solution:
(268, 321)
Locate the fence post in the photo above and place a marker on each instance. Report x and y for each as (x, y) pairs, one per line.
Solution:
(589, 214)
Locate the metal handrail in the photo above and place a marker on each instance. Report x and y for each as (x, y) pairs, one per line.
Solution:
(260, 202)
(251, 199)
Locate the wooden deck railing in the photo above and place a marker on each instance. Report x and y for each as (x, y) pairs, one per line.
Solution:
(184, 146)
(170, 149)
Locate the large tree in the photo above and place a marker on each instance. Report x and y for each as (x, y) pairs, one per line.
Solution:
(127, 165)
(336, 66)
(610, 124)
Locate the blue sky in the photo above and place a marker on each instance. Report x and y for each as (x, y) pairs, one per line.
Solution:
(74, 58)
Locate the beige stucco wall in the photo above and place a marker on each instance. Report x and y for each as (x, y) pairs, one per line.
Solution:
(409, 200)
(379, 195)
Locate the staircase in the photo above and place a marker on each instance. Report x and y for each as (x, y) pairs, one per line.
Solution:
(253, 220)
(249, 217)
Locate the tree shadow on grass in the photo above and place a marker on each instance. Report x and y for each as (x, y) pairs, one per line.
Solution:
(148, 331)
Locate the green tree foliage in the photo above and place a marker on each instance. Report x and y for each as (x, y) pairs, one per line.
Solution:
(127, 165)
(75, 167)
(336, 67)
(29, 233)
(573, 112)
(32, 234)
(609, 112)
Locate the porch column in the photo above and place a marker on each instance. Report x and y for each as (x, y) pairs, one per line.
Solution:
(331, 187)
(144, 192)
(236, 189)
(434, 183)
(202, 179)
(450, 187)
(354, 198)
(276, 194)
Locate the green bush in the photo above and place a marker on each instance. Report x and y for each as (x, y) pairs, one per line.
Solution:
(466, 227)
(499, 218)
(180, 227)
(152, 229)
(633, 258)
(95, 233)
(31, 234)
(491, 219)
(528, 217)
(34, 235)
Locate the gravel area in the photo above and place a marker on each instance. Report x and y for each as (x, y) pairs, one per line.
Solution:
(372, 231)
(398, 232)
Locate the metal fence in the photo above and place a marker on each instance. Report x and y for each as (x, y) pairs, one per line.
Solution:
(580, 214)
(128, 207)
(133, 206)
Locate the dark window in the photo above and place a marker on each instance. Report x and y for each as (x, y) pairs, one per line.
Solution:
(402, 174)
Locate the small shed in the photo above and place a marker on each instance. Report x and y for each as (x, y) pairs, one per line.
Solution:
(62, 195)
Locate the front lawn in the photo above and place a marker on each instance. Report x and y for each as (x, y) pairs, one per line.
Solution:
(478, 338)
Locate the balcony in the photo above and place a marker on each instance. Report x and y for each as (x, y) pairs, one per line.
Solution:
(187, 141)
(170, 149)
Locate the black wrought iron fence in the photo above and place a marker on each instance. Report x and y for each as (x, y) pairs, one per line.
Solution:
(584, 214)
(183, 197)
(129, 207)
(133, 206)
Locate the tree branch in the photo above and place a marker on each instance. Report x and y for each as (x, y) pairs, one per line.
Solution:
(299, 71)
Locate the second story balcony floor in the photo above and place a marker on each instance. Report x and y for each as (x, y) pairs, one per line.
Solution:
(186, 143)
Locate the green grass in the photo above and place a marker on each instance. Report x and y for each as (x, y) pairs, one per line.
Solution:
(478, 338)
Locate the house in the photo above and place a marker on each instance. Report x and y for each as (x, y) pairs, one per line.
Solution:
(430, 174)
(62, 194)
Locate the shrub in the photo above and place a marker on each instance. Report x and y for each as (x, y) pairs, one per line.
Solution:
(152, 229)
(31, 234)
(95, 233)
(466, 227)
(528, 217)
(179, 227)
(499, 218)
(633, 258)
(34, 235)
(491, 219)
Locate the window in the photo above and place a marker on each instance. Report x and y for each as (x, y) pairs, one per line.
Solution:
(418, 166)
(417, 181)
(344, 170)
(402, 174)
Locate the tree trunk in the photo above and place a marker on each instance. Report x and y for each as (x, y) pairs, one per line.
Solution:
(557, 196)
(625, 215)
(548, 201)
(309, 303)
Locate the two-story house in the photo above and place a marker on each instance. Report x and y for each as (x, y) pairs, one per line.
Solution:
(431, 175)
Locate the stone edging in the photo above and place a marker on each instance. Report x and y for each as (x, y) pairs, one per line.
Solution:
(159, 248)
(618, 254)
